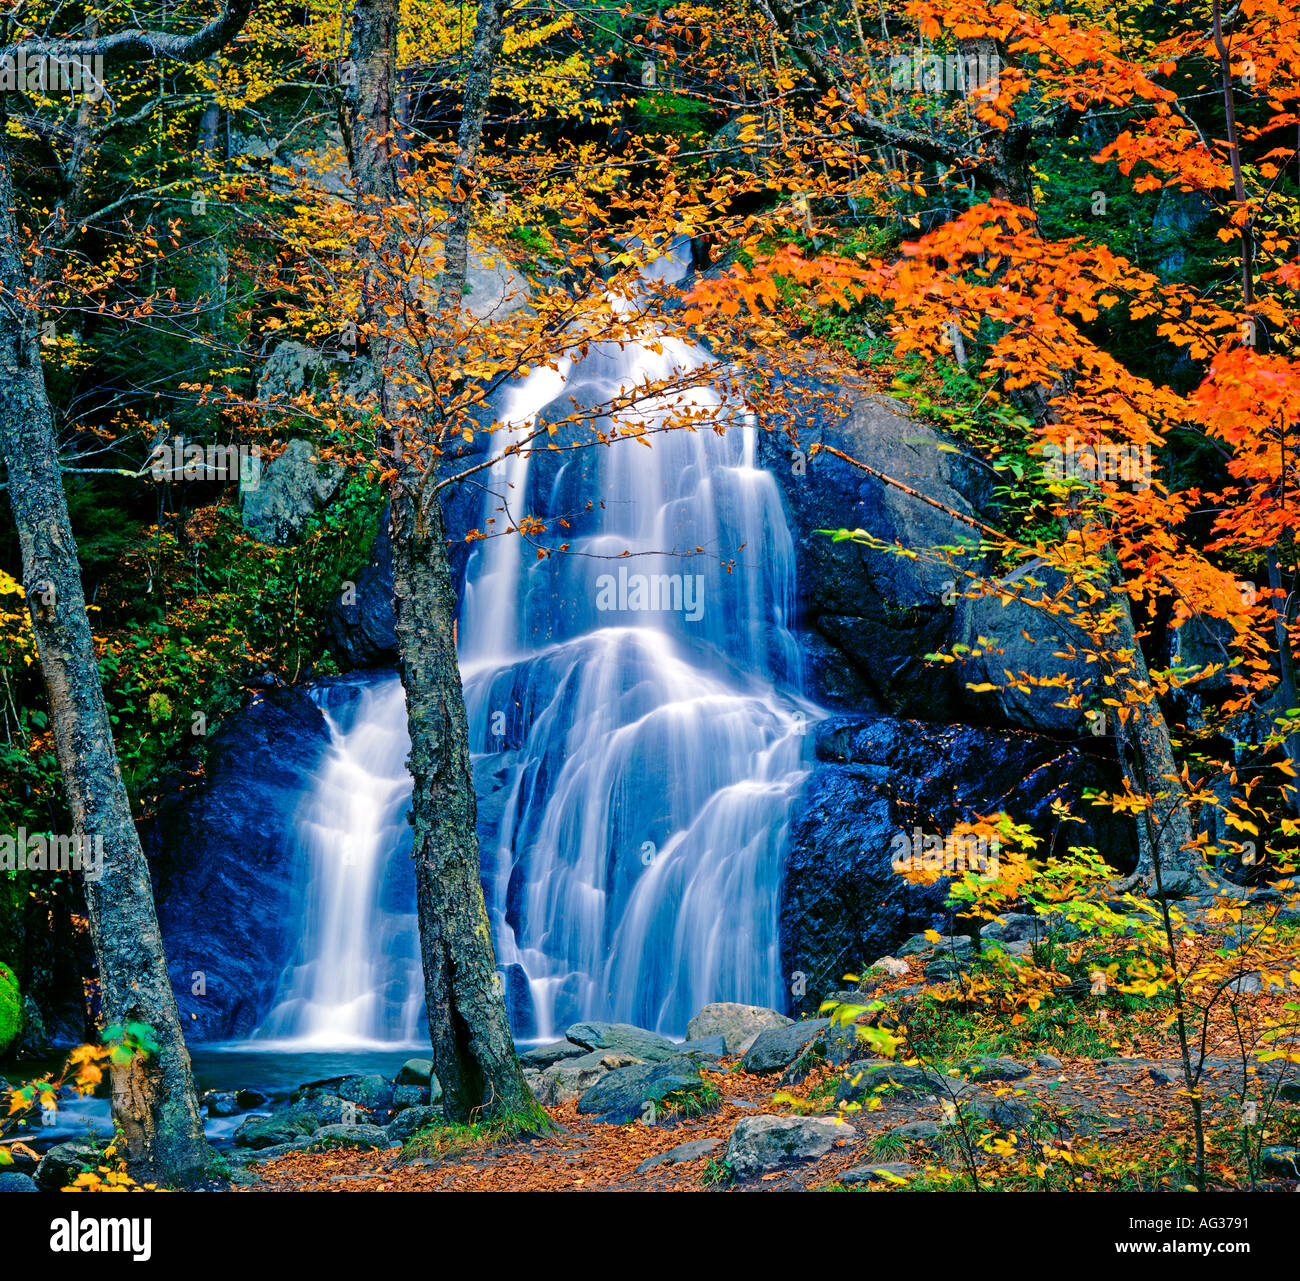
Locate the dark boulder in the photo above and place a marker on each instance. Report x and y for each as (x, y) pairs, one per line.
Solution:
(260, 1132)
(227, 875)
(843, 905)
(776, 1048)
(359, 625)
(63, 1162)
(633, 1093)
(869, 616)
(636, 1041)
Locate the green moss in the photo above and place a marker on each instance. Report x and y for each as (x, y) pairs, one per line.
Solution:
(11, 1008)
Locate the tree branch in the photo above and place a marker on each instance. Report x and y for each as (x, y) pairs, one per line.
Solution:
(137, 45)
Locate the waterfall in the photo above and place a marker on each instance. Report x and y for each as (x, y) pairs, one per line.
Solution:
(637, 731)
(355, 980)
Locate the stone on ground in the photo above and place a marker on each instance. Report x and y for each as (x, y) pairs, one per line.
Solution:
(647, 1046)
(776, 1048)
(351, 1136)
(544, 1056)
(982, 1067)
(415, 1072)
(881, 1172)
(634, 1093)
(682, 1152)
(736, 1023)
(762, 1143)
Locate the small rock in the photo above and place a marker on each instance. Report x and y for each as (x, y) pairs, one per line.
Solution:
(762, 1143)
(735, 1023)
(1049, 1061)
(942, 968)
(647, 1046)
(63, 1162)
(544, 1056)
(623, 1095)
(350, 1136)
(415, 1072)
(1009, 1113)
(1015, 927)
(918, 1131)
(888, 1172)
(1162, 1076)
(892, 966)
(948, 945)
(705, 1047)
(372, 1092)
(12, 1181)
(844, 997)
(677, 1156)
(1281, 1161)
(410, 1121)
(272, 1131)
(324, 1108)
(863, 1078)
(409, 1096)
(223, 1103)
(983, 1068)
(778, 1047)
(1257, 982)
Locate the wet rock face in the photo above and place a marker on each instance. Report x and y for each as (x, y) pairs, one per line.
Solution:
(225, 862)
(876, 780)
(869, 617)
(360, 624)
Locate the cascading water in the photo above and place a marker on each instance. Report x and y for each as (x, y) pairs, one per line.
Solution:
(637, 731)
(355, 980)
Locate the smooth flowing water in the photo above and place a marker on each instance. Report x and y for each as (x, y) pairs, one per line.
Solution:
(637, 731)
(355, 980)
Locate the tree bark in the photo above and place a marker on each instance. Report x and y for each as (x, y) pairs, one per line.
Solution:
(473, 1050)
(153, 1100)
(1169, 865)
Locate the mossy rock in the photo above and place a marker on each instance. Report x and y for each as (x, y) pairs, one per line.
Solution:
(11, 1007)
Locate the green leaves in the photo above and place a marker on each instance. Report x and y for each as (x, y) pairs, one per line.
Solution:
(128, 1040)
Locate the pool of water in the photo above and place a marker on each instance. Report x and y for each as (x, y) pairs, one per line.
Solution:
(273, 1072)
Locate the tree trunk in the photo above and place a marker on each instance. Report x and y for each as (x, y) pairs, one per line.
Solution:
(1146, 756)
(473, 1050)
(153, 1099)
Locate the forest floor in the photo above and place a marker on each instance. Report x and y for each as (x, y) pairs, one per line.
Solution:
(1123, 1121)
